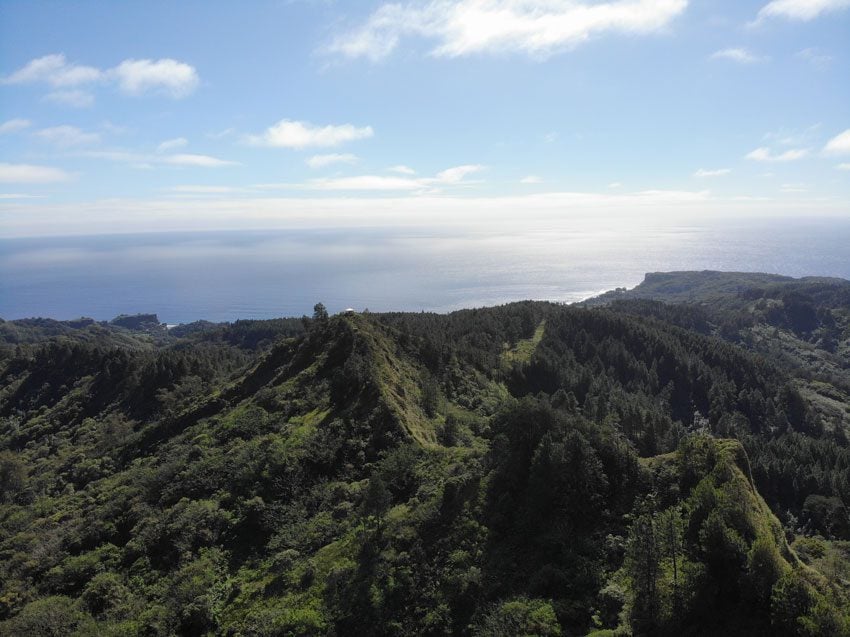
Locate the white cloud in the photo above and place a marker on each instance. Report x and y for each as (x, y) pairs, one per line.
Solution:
(719, 172)
(74, 98)
(320, 161)
(449, 177)
(133, 77)
(838, 145)
(54, 70)
(402, 169)
(845, 166)
(205, 190)
(203, 161)
(136, 77)
(146, 161)
(294, 134)
(466, 27)
(531, 179)
(457, 174)
(737, 54)
(29, 174)
(804, 10)
(18, 195)
(65, 136)
(793, 188)
(765, 154)
(614, 185)
(14, 125)
(171, 144)
(366, 182)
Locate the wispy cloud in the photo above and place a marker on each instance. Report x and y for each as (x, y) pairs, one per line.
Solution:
(450, 177)
(320, 161)
(56, 71)
(171, 144)
(458, 173)
(814, 57)
(65, 136)
(402, 169)
(366, 182)
(202, 161)
(467, 27)
(14, 125)
(147, 160)
(737, 54)
(803, 10)
(296, 134)
(765, 154)
(794, 136)
(30, 174)
(205, 190)
(838, 145)
(718, 172)
(132, 77)
(844, 166)
(531, 179)
(227, 132)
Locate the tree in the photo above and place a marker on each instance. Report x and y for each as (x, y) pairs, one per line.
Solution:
(642, 564)
(320, 314)
(13, 475)
(55, 616)
(521, 616)
(764, 567)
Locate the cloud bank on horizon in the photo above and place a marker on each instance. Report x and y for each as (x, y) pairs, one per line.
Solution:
(540, 103)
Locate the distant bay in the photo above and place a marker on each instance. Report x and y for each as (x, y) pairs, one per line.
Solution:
(224, 276)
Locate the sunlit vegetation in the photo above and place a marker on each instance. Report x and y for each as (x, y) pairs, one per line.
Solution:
(530, 469)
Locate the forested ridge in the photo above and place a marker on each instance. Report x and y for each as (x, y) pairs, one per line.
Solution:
(632, 468)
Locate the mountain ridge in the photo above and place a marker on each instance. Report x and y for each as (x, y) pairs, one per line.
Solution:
(530, 468)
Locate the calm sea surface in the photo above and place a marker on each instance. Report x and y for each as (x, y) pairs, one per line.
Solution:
(223, 276)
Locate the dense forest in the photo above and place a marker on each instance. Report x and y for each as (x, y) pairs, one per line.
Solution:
(670, 460)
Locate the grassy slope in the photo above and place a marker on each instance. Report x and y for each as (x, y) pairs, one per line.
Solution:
(523, 349)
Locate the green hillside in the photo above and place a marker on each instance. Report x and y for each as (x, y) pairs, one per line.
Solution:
(529, 469)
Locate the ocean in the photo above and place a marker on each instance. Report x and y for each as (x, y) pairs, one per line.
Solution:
(224, 276)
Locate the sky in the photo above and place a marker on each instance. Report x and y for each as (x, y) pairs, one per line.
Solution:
(147, 116)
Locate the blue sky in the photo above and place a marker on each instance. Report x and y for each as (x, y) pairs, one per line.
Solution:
(142, 116)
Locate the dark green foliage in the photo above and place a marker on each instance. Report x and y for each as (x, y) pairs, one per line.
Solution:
(530, 469)
(519, 617)
(46, 617)
(13, 476)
